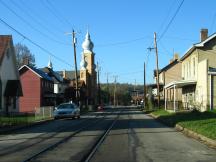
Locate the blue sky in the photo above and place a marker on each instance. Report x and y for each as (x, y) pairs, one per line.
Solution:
(121, 31)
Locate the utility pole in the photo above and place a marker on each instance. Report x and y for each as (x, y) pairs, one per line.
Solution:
(108, 94)
(144, 86)
(114, 102)
(157, 71)
(75, 63)
(99, 95)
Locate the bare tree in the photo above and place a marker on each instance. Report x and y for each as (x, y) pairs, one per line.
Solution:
(24, 55)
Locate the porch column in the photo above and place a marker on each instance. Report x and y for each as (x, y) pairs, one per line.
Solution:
(210, 89)
(174, 98)
(165, 98)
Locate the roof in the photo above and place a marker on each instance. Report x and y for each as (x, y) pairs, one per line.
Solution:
(169, 66)
(69, 74)
(56, 76)
(179, 84)
(198, 45)
(4, 41)
(38, 72)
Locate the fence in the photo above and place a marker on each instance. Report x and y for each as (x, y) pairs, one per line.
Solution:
(19, 118)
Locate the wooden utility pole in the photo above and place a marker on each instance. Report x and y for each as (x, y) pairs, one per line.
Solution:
(114, 95)
(157, 71)
(108, 93)
(99, 94)
(144, 94)
(75, 63)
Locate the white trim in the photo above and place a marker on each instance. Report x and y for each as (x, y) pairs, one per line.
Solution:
(210, 92)
(180, 83)
(174, 98)
(165, 99)
(30, 69)
(201, 44)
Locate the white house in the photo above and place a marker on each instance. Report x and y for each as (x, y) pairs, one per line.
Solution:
(10, 87)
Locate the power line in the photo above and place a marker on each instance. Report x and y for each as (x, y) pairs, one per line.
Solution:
(123, 42)
(41, 17)
(66, 20)
(168, 13)
(37, 45)
(32, 17)
(170, 22)
(26, 22)
(53, 12)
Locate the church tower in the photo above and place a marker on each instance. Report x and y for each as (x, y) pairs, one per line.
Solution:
(88, 69)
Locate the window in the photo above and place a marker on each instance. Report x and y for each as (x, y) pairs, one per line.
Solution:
(194, 68)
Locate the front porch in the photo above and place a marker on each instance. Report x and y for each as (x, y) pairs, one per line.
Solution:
(179, 95)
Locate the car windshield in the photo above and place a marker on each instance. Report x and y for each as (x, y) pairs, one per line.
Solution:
(66, 106)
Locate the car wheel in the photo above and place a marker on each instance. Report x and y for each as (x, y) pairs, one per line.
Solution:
(78, 117)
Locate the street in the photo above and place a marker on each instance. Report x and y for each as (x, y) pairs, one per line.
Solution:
(130, 136)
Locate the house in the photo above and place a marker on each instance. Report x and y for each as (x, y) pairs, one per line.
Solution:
(60, 83)
(38, 89)
(171, 72)
(10, 87)
(199, 74)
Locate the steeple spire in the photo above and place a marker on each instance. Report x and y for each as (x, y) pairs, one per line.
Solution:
(50, 63)
(87, 45)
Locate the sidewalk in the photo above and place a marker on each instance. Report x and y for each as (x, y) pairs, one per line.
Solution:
(210, 142)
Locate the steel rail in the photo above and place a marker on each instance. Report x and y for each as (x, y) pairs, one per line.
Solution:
(100, 140)
(64, 139)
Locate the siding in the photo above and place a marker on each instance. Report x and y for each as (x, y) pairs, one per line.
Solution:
(31, 91)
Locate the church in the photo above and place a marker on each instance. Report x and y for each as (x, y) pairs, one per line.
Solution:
(88, 73)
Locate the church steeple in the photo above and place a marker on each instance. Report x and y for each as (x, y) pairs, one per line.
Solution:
(50, 64)
(87, 45)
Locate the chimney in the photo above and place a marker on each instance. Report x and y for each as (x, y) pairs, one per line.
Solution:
(203, 34)
(176, 56)
(25, 60)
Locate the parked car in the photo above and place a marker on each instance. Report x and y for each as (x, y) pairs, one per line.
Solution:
(67, 110)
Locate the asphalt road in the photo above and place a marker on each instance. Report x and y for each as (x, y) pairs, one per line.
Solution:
(139, 138)
(134, 137)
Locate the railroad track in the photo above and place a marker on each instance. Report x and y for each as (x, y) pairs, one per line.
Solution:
(102, 116)
(19, 150)
(86, 156)
(100, 141)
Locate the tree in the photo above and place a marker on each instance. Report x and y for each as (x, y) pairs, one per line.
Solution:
(24, 55)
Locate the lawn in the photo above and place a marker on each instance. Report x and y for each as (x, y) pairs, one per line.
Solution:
(201, 122)
(19, 120)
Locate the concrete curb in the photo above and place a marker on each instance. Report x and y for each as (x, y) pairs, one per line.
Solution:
(210, 142)
(11, 129)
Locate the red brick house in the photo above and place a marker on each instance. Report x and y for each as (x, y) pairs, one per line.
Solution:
(38, 89)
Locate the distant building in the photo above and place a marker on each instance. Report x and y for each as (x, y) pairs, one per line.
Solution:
(10, 87)
(60, 84)
(38, 89)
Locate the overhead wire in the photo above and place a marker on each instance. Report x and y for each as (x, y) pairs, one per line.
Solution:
(31, 41)
(56, 10)
(171, 21)
(53, 12)
(29, 24)
(27, 13)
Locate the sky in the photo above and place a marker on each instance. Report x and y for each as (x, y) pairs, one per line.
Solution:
(121, 30)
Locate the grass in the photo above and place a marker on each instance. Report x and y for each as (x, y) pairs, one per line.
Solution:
(201, 122)
(19, 120)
